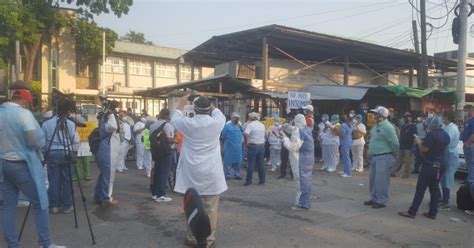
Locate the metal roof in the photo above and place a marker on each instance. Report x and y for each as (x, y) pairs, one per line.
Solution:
(148, 50)
(306, 46)
(328, 92)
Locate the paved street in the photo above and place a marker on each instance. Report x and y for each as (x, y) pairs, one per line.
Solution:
(259, 216)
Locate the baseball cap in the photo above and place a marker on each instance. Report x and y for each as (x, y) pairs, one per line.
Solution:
(309, 107)
(381, 110)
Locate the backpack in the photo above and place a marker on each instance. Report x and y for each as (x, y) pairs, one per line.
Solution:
(465, 198)
(159, 145)
(95, 139)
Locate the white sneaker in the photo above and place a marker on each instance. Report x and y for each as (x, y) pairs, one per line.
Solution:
(163, 199)
(140, 167)
(273, 169)
(125, 169)
(469, 212)
(148, 175)
(154, 197)
(56, 246)
(345, 175)
(328, 170)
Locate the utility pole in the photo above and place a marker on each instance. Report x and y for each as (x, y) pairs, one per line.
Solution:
(462, 55)
(17, 60)
(424, 54)
(415, 36)
(103, 63)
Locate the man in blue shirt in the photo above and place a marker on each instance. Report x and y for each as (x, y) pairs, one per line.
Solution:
(432, 148)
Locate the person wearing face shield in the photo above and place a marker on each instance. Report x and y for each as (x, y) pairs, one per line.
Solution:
(432, 148)
(305, 148)
(358, 142)
(382, 147)
(321, 128)
(331, 142)
(233, 139)
(138, 129)
(125, 145)
(274, 139)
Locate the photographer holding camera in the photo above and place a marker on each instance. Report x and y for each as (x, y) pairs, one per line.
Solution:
(20, 165)
(108, 153)
(61, 139)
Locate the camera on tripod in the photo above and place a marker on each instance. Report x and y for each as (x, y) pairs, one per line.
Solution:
(63, 103)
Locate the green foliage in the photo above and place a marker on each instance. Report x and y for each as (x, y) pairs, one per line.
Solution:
(89, 8)
(135, 37)
(36, 86)
(89, 40)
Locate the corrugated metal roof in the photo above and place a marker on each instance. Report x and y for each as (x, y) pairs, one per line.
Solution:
(148, 50)
(335, 92)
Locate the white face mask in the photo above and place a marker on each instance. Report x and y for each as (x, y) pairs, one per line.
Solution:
(143, 120)
(430, 115)
(124, 119)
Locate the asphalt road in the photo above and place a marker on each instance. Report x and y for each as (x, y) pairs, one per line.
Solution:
(259, 216)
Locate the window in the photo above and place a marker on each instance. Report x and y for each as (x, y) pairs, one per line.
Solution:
(115, 65)
(185, 72)
(197, 73)
(166, 70)
(140, 67)
(54, 68)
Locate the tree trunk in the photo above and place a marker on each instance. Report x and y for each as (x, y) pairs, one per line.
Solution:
(31, 51)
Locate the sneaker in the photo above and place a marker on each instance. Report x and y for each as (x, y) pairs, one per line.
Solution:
(444, 207)
(469, 212)
(120, 171)
(111, 203)
(148, 175)
(369, 203)
(345, 175)
(53, 246)
(428, 215)
(238, 178)
(53, 210)
(328, 170)
(406, 214)
(140, 168)
(163, 199)
(125, 169)
(67, 210)
(154, 197)
(273, 169)
(377, 206)
(299, 208)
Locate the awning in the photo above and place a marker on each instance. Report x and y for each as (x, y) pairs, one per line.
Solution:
(398, 90)
(327, 92)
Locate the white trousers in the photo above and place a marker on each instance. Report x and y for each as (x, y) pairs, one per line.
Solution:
(124, 147)
(295, 169)
(147, 161)
(357, 149)
(275, 157)
(140, 149)
(114, 158)
(330, 156)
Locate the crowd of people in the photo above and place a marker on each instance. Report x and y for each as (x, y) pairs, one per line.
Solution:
(208, 151)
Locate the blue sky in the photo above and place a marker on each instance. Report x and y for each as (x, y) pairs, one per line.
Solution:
(186, 24)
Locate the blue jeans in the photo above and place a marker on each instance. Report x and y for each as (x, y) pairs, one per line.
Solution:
(255, 153)
(101, 194)
(59, 191)
(17, 177)
(346, 159)
(161, 174)
(428, 178)
(228, 167)
(470, 165)
(379, 177)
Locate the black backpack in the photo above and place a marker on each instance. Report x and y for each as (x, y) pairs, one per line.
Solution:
(159, 145)
(95, 139)
(465, 198)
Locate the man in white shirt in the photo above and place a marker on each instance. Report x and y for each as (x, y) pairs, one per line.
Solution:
(125, 137)
(200, 163)
(254, 137)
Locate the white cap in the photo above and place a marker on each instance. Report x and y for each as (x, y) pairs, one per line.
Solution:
(309, 107)
(381, 110)
(254, 116)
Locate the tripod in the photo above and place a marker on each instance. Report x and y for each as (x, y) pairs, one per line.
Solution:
(65, 139)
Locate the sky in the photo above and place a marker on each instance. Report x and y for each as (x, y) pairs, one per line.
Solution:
(186, 24)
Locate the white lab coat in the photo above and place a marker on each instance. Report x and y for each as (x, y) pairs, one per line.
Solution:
(200, 163)
(293, 145)
(140, 148)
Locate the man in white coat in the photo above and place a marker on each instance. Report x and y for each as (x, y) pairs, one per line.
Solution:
(200, 163)
(139, 146)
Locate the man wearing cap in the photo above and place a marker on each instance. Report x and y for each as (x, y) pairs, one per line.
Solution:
(432, 147)
(200, 163)
(382, 147)
(254, 138)
(20, 166)
(406, 156)
(233, 139)
(309, 115)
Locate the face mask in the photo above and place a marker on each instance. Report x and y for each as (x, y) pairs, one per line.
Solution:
(430, 115)
(124, 119)
(351, 115)
(143, 120)
(354, 121)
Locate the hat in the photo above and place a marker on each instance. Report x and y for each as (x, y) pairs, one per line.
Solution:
(235, 115)
(334, 117)
(254, 116)
(325, 117)
(358, 117)
(309, 107)
(24, 94)
(381, 110)
(202, 104)
(435, 122)
(407, 114)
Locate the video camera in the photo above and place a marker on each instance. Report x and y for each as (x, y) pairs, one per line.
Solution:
(63, 103)
(109, 105)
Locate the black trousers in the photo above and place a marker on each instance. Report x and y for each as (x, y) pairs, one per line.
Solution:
(428, 178)
(284, 155)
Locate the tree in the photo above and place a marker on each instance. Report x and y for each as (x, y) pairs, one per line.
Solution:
(135, 37)
(31, 21)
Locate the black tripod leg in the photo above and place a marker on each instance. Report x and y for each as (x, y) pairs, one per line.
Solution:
(24, 222)
(72, 195)
(84, 204)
